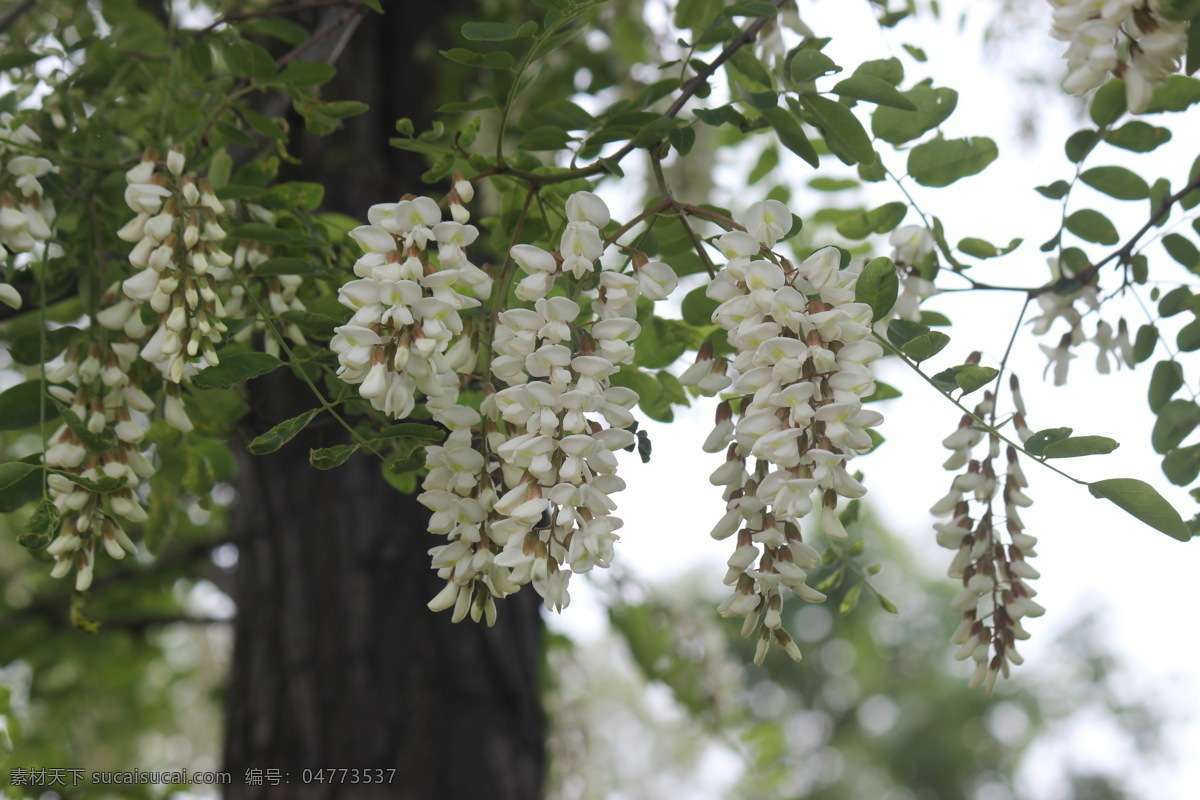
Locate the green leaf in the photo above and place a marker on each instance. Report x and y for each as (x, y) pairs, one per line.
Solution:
(1055, 191)
(889, 70)
(944, 161)
(861, 224)
(105, 485)
(719, 116)
(878, 287)
(1176, 420)
(1192, 198)
(1118, 182)
(925, 346)
(413, 430)
(1138, 136)
(824, 184)
(1188, 338)
(1144, 343)
(791, 135)
(1036, 444)
(697, 308)
(500, 60)
(1178, 93)
(1165, 381)
(1092, 226)
(285, 265)
(916, 52)
(808, 64)
(843, 132)
(751, 8)
(1142, 501)
(1174, 301)
(1108, 104)
(1182, 250)
(284, 30)
(330, 457)
(263, 124)
(545, 137)
(307, 73)
(682, 139)
(897, 126)
(1080, 143)
(697, 14)
(974, 377)
(489, 31)
(478, 104)
(299, 194)
(235, 369)
(38, 347)
(1182, 465)
(20, 58)
(20, 406)
(250, 61)
(282, 433)
(982, 248)
(99, 443)
(873, 90)
(14, 471)
(902, 331)
(271, 234)
(1076, 446)
(25, 489)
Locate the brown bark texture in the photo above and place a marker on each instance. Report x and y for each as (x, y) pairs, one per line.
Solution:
(338, 664)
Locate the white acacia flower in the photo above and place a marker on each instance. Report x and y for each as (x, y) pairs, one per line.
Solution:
(768, 221)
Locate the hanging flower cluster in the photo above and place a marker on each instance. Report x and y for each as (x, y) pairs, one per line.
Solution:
(1061, 305)
(275, 293)
(798, 376)
(26, 214)
(1127, 39)
(176, 248)
(521, 488)
(413, 280)
(995, 596)
(97, 382)
(544, 470)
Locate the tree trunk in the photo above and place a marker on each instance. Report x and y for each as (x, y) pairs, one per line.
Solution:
(338, 664)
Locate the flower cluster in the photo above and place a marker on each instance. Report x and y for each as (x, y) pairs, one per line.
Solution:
(26, 214)
(799, 373)
(995, 596)
(97, 382)
(1057, 305)
(275, 293)
(527, 500)
(176, 248)
(406, 334)
(1127, 39)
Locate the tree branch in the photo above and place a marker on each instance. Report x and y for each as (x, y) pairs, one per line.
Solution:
(13, 13)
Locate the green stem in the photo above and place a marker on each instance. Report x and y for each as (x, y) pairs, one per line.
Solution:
(982, 424)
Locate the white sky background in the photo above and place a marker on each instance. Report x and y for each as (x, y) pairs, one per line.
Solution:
(1092, 555)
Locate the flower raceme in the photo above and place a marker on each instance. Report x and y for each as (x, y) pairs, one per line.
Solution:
(995, 595)
(792, 416)
(521, 486)
(1127, 39)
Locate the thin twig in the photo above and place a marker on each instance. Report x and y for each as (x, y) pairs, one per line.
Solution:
(13, 13)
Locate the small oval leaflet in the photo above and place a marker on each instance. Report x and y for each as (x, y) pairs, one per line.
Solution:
(1142, 501)
(878, 287)
(1075, 446)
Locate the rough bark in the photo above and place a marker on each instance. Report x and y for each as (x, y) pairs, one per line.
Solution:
(338, 663)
